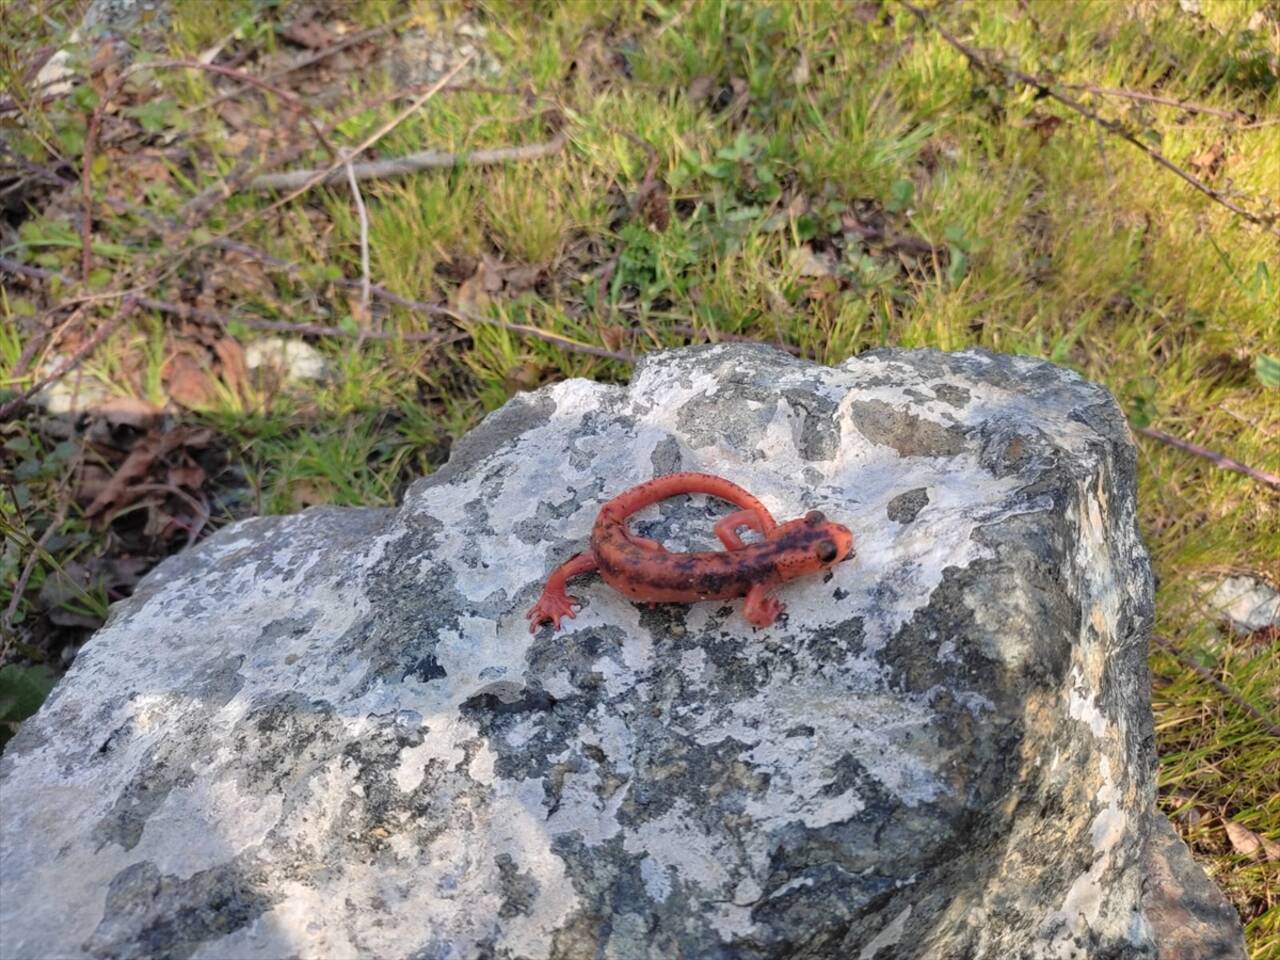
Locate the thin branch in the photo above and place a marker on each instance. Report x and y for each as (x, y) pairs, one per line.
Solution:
(410, 163)
(316, 57)
(201, 508)
(1043, 88)
(364, 238)
(77, 358)
(1225, 463)
(292, 99)
(318, 330)
(95, 124)
(1144, 97)
(29, 567)
(317, 176)
(1207, 675)
(431, 309)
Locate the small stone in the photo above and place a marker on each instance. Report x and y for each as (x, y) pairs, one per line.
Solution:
(73, 393)
(294, 359)
(1247, 603)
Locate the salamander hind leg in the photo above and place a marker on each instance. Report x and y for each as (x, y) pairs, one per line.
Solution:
(727, 528)
(555, 603)
(761, 609)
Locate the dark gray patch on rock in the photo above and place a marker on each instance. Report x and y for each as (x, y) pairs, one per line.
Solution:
(954, 395)
(519, 415)
(519, 890)
(905, 507)
(911, 435)
(666, 457)
(138, 923)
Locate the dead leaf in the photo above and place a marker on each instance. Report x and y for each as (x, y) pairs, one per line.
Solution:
(700, 88)
(360, 311)
(196, 437)
(524, 376)
(655, 208)
(235, 374)
(1208, 161)
(188, 381)
(800, 75)
(136, 466)
(613, 336)
(1045, 124)
(309, 33)
(311, 492)
(160, 524)
(521, 277)
(909, 245)
(189, 475)
(90, 483)
(806, 263)
(865, 229)
(1249, 844)
(476, 291)
(129, 412)
(737, 107)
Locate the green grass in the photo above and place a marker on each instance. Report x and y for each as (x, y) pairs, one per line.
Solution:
(1050, 241)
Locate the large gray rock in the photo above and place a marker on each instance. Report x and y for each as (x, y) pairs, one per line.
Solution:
(331, 735)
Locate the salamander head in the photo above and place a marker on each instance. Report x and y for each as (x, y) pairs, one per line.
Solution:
(810, 544)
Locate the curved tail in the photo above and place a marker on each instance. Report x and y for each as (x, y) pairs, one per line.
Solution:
(660, 488)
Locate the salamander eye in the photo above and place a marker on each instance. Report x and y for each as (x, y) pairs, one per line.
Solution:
(827, 551)
(815, 517)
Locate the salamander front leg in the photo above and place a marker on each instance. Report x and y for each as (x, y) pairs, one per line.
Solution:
(761, 609)
(727, 528)
(555, 603)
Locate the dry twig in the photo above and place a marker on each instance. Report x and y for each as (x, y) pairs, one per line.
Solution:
(410, 163)
(1266, 221)
(77, 358)
(29, 567)
(1204, 674)
(315, 57)
(364, 238)
(1226, 463)
(1145, 97)
(319, 330)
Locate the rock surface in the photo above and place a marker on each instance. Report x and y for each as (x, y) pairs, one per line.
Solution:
(332, 735)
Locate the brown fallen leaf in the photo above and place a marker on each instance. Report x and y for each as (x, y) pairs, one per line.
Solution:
(655, 208)
(1209, 160)
(235, 373)
(523, 376)
(136, 466)
(521, 277)
(613, 336)
(807, 263)
(188, 382)
(309, 33)
(129, 412)
(1045, 124)
(1249, 844)
(700, 88)
(478, 289)
(189, 475)
(311, 492)
(160, 524)
(90, 482)
(359, 310)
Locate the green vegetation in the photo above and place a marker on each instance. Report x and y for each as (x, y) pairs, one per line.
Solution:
(830, 176)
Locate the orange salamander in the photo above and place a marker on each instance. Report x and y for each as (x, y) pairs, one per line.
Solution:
(644, 570)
